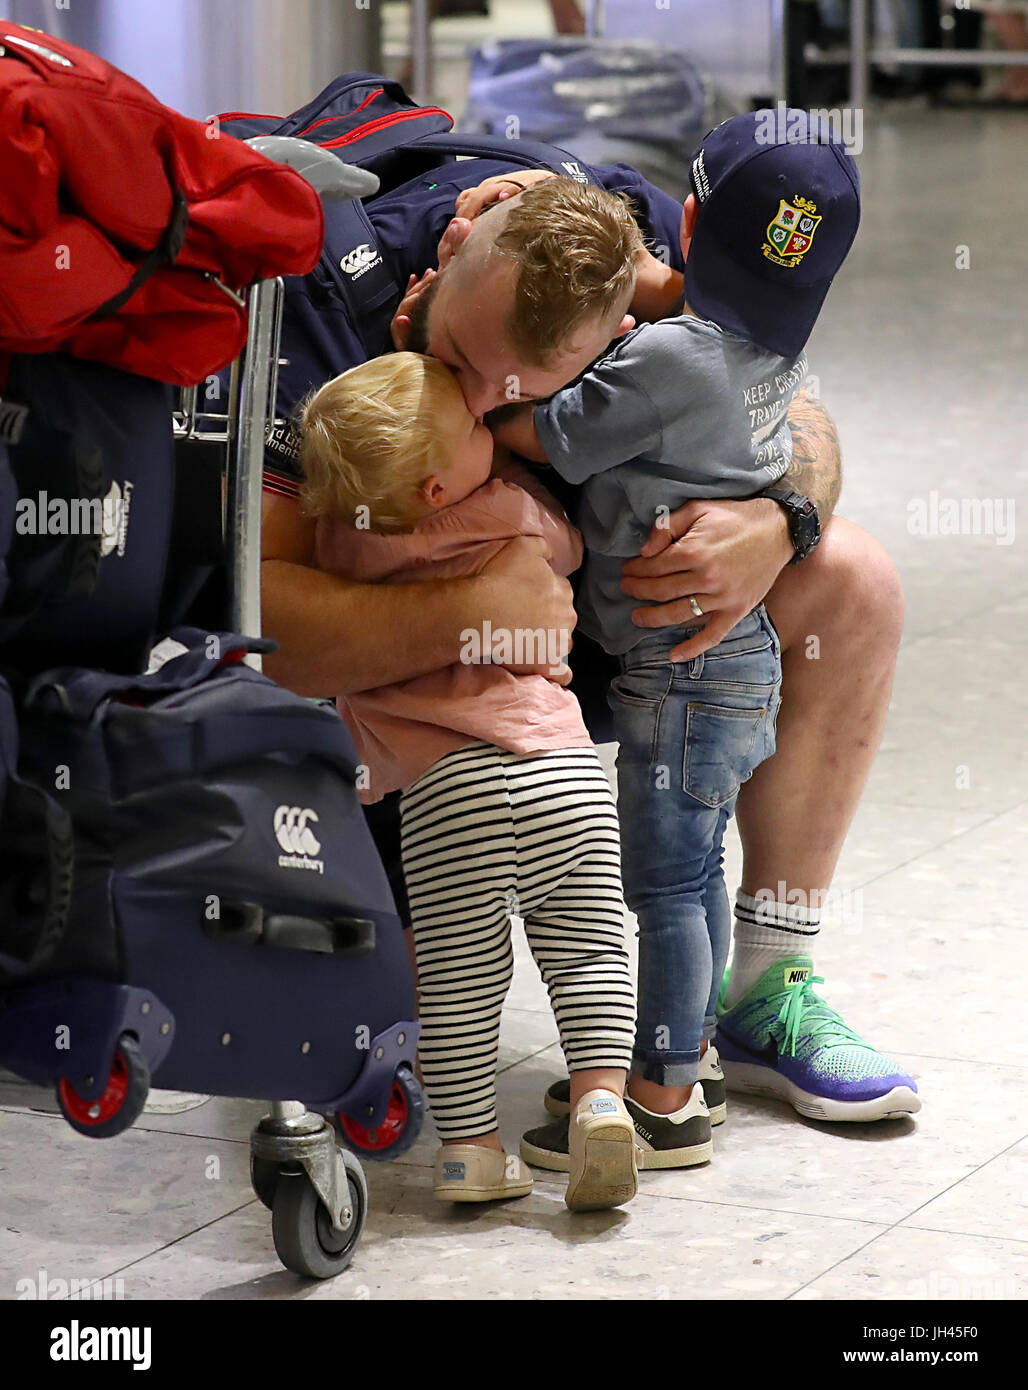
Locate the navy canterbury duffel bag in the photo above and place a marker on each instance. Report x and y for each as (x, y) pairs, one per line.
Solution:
(221, 861)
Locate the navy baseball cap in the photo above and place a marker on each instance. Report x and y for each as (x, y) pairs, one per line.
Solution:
(778, 207)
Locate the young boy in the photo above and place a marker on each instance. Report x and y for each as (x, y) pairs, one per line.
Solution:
(695, 406)
(505, 808)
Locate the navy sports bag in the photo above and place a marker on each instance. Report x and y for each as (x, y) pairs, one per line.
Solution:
(106, 536)
(86, 503)
(221, 861)
(370, 121)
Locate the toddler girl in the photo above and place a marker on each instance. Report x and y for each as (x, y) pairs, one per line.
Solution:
(505, 809)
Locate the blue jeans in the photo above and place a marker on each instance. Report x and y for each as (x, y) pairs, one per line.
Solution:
(689, 735)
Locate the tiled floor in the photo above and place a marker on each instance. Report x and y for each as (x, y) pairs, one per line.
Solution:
(923, 366)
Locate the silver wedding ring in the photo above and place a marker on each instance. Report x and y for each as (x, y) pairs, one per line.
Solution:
(695, 606)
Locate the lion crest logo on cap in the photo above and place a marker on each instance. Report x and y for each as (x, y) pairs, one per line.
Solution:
(790, 233)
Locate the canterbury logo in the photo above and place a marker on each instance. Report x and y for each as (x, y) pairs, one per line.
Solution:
(116, 506)
(360, 259)
(574, 170)
(293, 832)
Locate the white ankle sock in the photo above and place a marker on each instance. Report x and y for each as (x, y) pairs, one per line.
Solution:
(766, 931)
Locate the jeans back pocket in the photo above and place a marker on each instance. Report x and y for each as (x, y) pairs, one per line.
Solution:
(722, 749)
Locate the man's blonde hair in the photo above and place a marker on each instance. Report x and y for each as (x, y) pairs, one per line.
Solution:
(576, 248)
(370, 439)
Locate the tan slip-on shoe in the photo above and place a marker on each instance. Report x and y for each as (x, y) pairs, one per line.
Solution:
(602, 1160)
(471, 1173)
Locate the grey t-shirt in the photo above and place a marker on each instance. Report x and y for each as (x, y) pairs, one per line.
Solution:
(678, 409)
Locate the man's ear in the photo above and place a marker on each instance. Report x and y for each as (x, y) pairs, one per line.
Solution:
(689, 215)
(456, 234)
(625, 326)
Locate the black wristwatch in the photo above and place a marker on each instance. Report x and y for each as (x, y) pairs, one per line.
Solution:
(804, 522)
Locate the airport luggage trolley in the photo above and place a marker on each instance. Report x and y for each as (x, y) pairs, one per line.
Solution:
(314, 1186)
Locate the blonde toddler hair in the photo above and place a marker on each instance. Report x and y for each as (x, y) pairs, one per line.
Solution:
(370, 439)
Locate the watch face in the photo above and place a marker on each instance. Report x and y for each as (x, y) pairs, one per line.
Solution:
(806, 529)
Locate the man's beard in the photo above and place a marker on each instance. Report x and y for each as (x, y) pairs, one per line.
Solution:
(417, 336)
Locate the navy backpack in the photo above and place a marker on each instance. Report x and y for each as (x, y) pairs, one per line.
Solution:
(370, 121)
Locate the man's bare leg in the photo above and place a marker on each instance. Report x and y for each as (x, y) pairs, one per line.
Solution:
(840, 622)
(839, 615)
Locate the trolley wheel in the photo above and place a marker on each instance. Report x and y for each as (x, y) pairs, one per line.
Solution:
(401, 1127)
(122, 1100)
(264, 1175)
(305, 1239)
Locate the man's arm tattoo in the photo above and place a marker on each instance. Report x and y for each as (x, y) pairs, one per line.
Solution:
(816, 468)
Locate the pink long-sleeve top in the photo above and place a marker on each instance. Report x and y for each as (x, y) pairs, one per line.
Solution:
(401, 730)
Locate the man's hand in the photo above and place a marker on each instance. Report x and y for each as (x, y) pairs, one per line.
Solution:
(399, 329)
(724, 554)
(521, 592)
(472, 201)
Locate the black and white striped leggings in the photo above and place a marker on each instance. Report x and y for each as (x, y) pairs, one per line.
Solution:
(488, 835)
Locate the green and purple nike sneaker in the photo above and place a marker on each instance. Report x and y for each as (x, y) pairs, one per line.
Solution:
(781, 1039)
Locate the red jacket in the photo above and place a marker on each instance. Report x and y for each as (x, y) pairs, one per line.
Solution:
(90, 165)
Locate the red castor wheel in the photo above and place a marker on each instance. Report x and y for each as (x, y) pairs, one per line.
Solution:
(123, 1098)
(399, 1131)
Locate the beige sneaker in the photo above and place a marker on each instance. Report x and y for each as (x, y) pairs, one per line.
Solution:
(471, 1173)
(603, 1169)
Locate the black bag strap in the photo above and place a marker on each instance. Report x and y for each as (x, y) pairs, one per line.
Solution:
(164, 253)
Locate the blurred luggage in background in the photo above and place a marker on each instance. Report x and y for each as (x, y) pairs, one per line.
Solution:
(634, 103)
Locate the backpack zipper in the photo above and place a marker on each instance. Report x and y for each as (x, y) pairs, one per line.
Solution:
(325, 119)
(370, 127)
